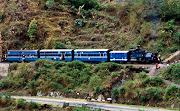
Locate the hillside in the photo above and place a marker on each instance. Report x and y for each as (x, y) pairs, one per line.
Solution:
(117, 25)
(124, 84)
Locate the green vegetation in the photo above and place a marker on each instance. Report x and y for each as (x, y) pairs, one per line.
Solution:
(1, 15)
(58, 45)
(169, 9)
(104, 78)
(50, 4)
(84, 23)
(32, 29)
(8, 103)
(82, 109)
(145, 90)
(172, 73)
(59, 76)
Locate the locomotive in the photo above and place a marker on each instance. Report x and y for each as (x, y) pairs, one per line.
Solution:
(85, 55)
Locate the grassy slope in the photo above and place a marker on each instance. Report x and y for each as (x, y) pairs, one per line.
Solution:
(70, 78)
(117, 26)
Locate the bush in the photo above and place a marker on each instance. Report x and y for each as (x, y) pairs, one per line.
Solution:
(152, 94)
(58, 45)
(157, 81)
(55, 86)
(121, 90)
(172, 73)
(111, 66)
(170, 10)
(77, 65)
(34, 105)
(172, 92)
(154, 81)
(83, 109)
(21, 103)
(4, 84)
(115, 93)
(80, 22)
(1, 15)
(94, 82)
(111, 8)
(50, 4)
(32, 29)
(13, 66)
(88, 4)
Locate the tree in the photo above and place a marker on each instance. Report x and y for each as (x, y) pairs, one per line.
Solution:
(32, 31)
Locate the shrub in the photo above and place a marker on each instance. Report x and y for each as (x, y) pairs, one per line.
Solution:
(32, 84)
(80, 22)
(154, 81)
(4, 84)
(170, 10)
(152, 94)
(94, 81)
(172, 92)
(1, 15)
(32, 29)
(50, 4)
(88, 4)
(121, 90)
(157, 81)
(34, 105)
(172, 73)
(58, 45)
(111, 8)
(21, 103)
(146, 81)
(13, 66)
(77, 65)
(36, 75)
(54, 86)
(58, 64)
(83, 109)
(111, 66)
(115, 93)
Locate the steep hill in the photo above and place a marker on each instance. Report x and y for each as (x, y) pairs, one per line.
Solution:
(118, 25)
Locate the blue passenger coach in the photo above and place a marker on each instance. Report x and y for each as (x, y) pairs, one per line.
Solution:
(89, 55)
(22, 55)
(57, 54)
(118, 56)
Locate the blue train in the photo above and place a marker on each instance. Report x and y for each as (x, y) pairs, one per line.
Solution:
(86, 55)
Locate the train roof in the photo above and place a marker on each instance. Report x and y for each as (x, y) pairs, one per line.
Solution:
(22, 50)
(119, 51)
(92, 50)
(49, 50)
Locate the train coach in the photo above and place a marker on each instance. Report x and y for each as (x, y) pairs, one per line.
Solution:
(22, 55)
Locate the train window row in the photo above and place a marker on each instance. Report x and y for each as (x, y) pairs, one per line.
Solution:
(54, 55)
(19, 55)
(90, 54)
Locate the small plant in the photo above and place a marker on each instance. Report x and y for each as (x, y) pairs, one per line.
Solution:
(80, 22)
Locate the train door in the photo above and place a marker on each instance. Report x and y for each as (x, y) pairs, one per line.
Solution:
(129, 56)
(63, 55)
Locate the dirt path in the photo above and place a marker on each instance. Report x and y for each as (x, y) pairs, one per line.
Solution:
(154, 71)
